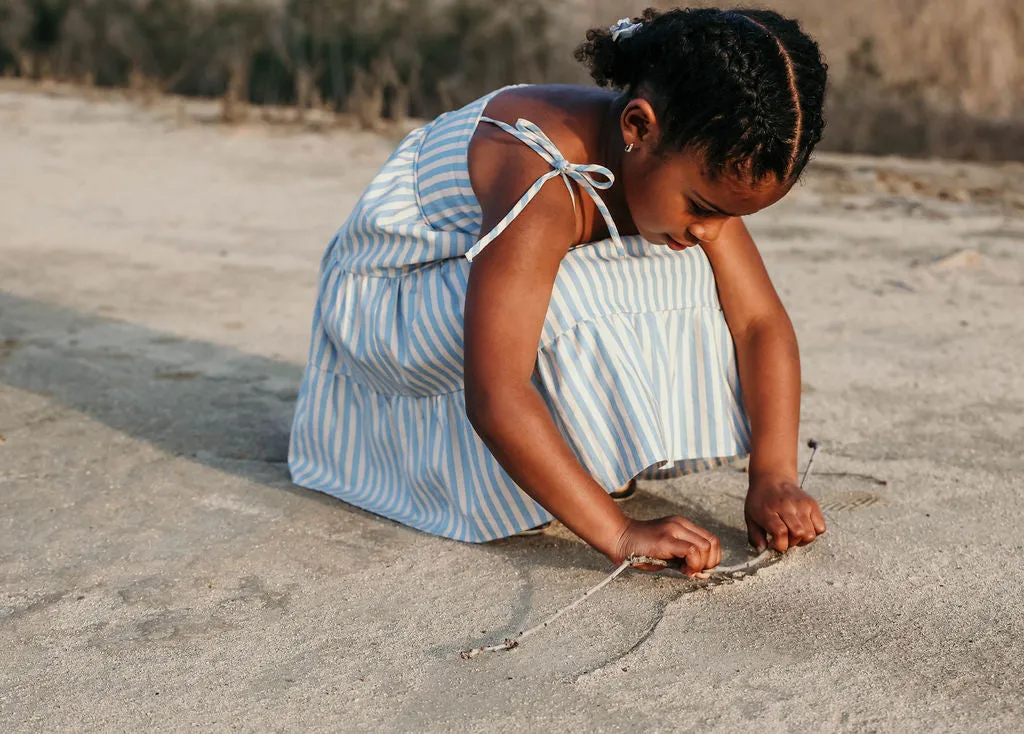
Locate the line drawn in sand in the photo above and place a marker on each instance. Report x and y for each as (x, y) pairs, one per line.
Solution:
(849, 501)
(713, 577)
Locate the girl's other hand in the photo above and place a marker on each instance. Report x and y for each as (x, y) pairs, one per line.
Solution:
(669, 538)
(781, 509)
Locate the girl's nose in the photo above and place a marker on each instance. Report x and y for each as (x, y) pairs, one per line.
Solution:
(707, 230)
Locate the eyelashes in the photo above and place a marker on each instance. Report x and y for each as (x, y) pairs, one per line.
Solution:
(698, 211)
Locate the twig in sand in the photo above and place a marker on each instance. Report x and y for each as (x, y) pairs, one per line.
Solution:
(720, 571)
(716, 571)
(813, 446)
(509, 643)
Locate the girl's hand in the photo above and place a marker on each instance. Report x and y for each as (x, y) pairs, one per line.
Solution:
(783, 510)
(669, 538)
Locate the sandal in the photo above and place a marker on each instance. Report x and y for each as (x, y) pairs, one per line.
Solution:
(624, 494)
(537, 530)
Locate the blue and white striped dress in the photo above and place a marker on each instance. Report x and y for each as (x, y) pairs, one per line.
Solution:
(635, 363)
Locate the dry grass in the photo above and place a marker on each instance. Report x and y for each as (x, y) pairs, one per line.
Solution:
(940, 78)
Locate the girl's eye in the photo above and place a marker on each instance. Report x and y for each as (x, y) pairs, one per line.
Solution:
(698, 211)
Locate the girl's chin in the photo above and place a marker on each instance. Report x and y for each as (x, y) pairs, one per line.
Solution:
(666, 239)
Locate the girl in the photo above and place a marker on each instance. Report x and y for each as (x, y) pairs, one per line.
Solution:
(485, 359)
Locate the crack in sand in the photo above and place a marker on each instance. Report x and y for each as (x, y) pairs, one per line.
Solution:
(646, 635)
(705, 585)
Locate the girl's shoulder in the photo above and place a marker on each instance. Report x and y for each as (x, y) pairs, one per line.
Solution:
(501, 167)
(565, 113)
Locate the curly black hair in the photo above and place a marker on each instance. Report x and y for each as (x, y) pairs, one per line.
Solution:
(744, 88)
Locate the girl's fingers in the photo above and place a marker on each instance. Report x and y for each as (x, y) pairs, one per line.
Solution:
(756, 536)
(800, 531)
(780, 532)
(694, 560)
(817, 519)
(809, 524)
(693, 548)
(648, 567)
(715, 554)
(693, 527)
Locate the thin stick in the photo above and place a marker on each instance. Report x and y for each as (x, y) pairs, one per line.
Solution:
(716, 571)
(813, 445)
(511, 643)
(508, 644)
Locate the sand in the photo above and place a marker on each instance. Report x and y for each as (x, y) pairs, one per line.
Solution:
(158, 571)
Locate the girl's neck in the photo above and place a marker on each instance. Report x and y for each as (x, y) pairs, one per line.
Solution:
(610, 153)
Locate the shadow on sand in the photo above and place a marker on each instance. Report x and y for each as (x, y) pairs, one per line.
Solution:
(223, 408)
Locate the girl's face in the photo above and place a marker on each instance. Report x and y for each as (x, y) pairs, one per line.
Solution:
(671, 198)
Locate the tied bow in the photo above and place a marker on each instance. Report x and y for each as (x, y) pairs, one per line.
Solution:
(583, 173)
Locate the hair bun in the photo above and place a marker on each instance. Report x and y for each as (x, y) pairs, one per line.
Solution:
(744, 87)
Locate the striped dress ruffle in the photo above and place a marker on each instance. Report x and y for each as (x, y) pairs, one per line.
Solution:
(635, 362)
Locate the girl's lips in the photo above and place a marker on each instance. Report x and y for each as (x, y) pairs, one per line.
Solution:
(675, 245)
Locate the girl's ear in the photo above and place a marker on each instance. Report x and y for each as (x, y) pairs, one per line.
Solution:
(638, 121)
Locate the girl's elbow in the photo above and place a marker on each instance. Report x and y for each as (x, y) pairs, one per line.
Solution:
(487, 407)
(481, 407)
(777, 332)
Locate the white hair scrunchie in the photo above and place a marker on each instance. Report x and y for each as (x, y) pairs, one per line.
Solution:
(624, 28)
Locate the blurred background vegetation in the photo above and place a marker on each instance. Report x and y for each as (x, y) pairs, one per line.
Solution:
(938, 78)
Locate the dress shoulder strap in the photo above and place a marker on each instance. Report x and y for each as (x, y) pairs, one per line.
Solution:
(583, 173)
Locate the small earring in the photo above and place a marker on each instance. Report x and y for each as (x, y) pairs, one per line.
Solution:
(629, 147)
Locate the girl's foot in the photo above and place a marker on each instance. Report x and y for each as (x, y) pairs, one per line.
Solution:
(624, 493)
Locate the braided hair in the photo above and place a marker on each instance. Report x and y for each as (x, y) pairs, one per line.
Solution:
(743, 88)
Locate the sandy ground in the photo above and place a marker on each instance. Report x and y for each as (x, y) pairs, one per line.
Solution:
(158, 571)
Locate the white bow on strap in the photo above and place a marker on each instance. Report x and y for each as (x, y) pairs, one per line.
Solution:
(583, 173)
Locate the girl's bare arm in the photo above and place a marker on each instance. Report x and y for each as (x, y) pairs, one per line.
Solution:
(507, 298)
(769, 367)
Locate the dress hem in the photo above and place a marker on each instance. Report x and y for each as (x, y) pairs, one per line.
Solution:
(516, 528)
